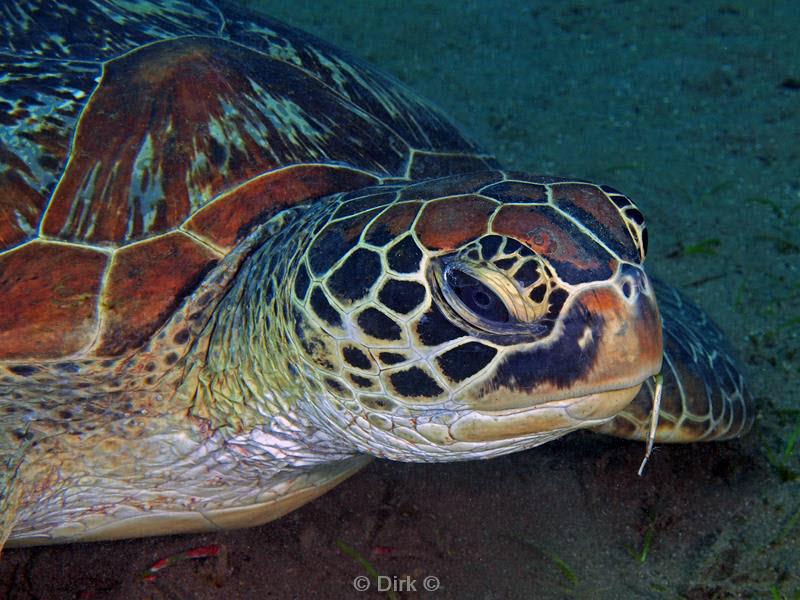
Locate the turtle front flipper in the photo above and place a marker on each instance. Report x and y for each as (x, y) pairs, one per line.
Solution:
(704, 397)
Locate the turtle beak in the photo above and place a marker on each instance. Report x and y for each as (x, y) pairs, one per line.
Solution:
(605, 345)
(625, 348)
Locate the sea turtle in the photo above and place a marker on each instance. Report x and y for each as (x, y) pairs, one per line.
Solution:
(236, 262)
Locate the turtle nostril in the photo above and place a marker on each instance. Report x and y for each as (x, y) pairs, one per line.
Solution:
(632, 282)
(627, 289)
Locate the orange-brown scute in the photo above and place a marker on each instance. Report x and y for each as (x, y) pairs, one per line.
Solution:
(536, 226)
(148, 95)
(394, 222)
(575, 256)
(227, 218)
(49, 297)
(448, 223)
(146, 282)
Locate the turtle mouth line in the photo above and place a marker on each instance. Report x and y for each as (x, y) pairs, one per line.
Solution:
(562, 415)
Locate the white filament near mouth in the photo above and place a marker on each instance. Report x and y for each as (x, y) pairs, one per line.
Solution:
(651, 436)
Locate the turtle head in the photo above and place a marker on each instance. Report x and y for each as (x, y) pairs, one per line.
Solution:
(475, 315)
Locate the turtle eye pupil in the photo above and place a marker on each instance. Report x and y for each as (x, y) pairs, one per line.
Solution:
(477, 297)
(482, 299)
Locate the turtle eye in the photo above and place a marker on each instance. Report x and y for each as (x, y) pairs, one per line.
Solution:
(477, 297)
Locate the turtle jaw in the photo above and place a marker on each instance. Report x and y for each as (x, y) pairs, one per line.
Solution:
(546, 420)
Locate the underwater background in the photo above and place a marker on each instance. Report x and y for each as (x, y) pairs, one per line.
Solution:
(693, 110)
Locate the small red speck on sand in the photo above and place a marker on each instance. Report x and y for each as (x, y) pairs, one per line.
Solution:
(204, 551)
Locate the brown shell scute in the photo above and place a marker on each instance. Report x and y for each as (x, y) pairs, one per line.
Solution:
(450, 222)
(574, 256)
(49, 295)
(145, 282)
(150, 150)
